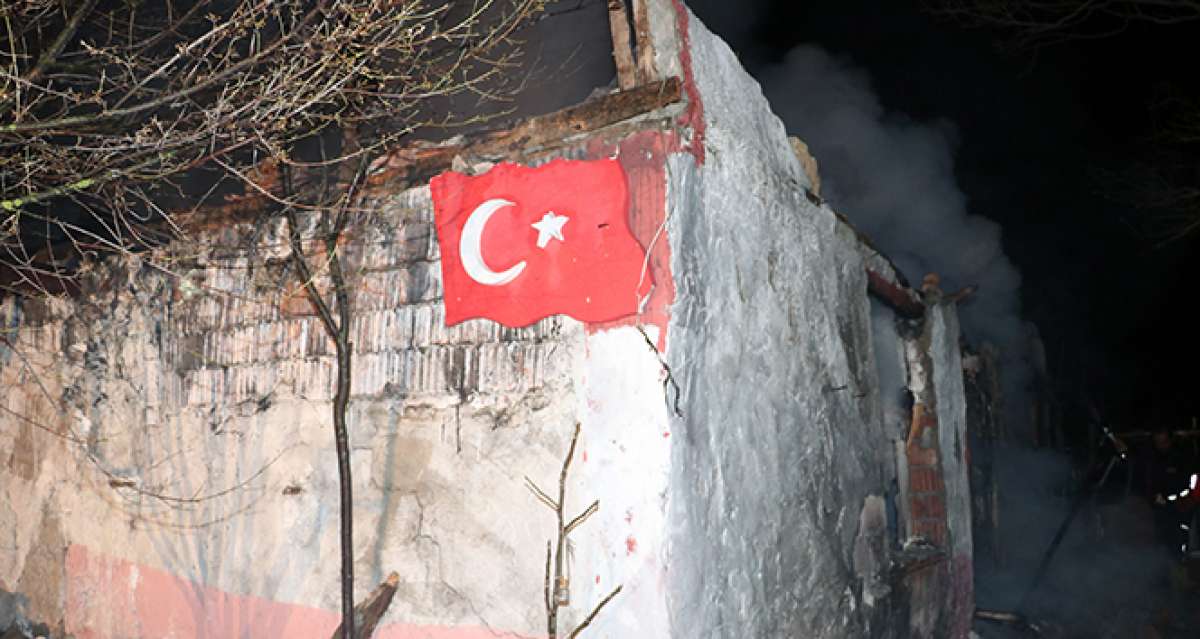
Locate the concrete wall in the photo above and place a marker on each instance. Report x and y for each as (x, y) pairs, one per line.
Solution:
(792, 416)
(215, 386)
(783, 442)
(955, 459)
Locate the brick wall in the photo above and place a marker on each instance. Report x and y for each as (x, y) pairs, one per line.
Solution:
(937, 496)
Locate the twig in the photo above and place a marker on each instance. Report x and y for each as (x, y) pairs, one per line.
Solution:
(560, 596)
(592, 615)
(591, 510)
(542, 497)
(368, 613)
(52, 52)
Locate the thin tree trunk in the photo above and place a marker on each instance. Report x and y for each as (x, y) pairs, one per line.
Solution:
(339, 331)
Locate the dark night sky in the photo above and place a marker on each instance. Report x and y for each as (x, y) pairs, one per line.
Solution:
(1035, 137)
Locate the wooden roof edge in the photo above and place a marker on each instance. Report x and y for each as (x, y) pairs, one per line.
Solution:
(537, 134)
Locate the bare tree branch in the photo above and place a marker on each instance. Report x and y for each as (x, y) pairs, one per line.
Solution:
(556, 588)
(1032, 24)
(112, 113)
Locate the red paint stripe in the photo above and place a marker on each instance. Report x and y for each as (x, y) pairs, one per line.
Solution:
(643, 155)
(110, 598)
(693, 116)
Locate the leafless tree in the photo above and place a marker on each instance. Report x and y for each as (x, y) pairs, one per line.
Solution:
(119, 118)
(1037, 23)
(122, 121)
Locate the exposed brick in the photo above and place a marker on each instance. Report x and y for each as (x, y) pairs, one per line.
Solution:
(231, 337)
(918, 456)
(296, 303)
(928, 506)
(926, 479)
(413, 283)
(933, 530)
(404, 243)
(372, 372)
(312, 379)
(390, 329)
(511, 367)
(203, 386)
(921, 479)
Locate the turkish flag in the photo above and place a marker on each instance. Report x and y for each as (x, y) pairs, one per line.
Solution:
(520, 243)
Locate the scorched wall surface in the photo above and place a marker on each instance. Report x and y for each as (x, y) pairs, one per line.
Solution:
(782, 440)
(168, 465)
(168, 469)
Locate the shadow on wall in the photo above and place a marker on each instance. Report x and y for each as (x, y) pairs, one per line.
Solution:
(188, 479)
(13, 621)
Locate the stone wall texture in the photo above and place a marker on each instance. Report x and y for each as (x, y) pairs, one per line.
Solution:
(783, 437)
(795, 397)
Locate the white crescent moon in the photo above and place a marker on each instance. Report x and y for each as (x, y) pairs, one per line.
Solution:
(469, 247)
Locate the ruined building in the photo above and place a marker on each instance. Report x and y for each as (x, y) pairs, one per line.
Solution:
(775, 436)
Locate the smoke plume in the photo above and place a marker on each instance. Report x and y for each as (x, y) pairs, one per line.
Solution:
(894, 179)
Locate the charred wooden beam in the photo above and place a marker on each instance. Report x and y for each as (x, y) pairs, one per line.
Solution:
(904, 301)
(407, 166)
(540, 133)
(645, 44)
(898, 295)
(618, 23)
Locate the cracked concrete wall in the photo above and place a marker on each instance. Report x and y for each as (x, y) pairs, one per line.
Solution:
(793, 390)
(783, 450)
(168, 461)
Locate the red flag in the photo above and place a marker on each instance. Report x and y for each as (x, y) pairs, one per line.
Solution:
(521, 243)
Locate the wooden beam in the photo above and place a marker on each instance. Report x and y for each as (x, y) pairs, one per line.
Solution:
(407, 166)
(540, 133)
(900, 299)
(618, 24)
(645, 45)
(370, 610)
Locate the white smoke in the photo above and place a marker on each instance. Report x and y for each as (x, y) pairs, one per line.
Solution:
(894, 179)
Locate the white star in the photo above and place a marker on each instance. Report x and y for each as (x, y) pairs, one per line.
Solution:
(550, 226)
